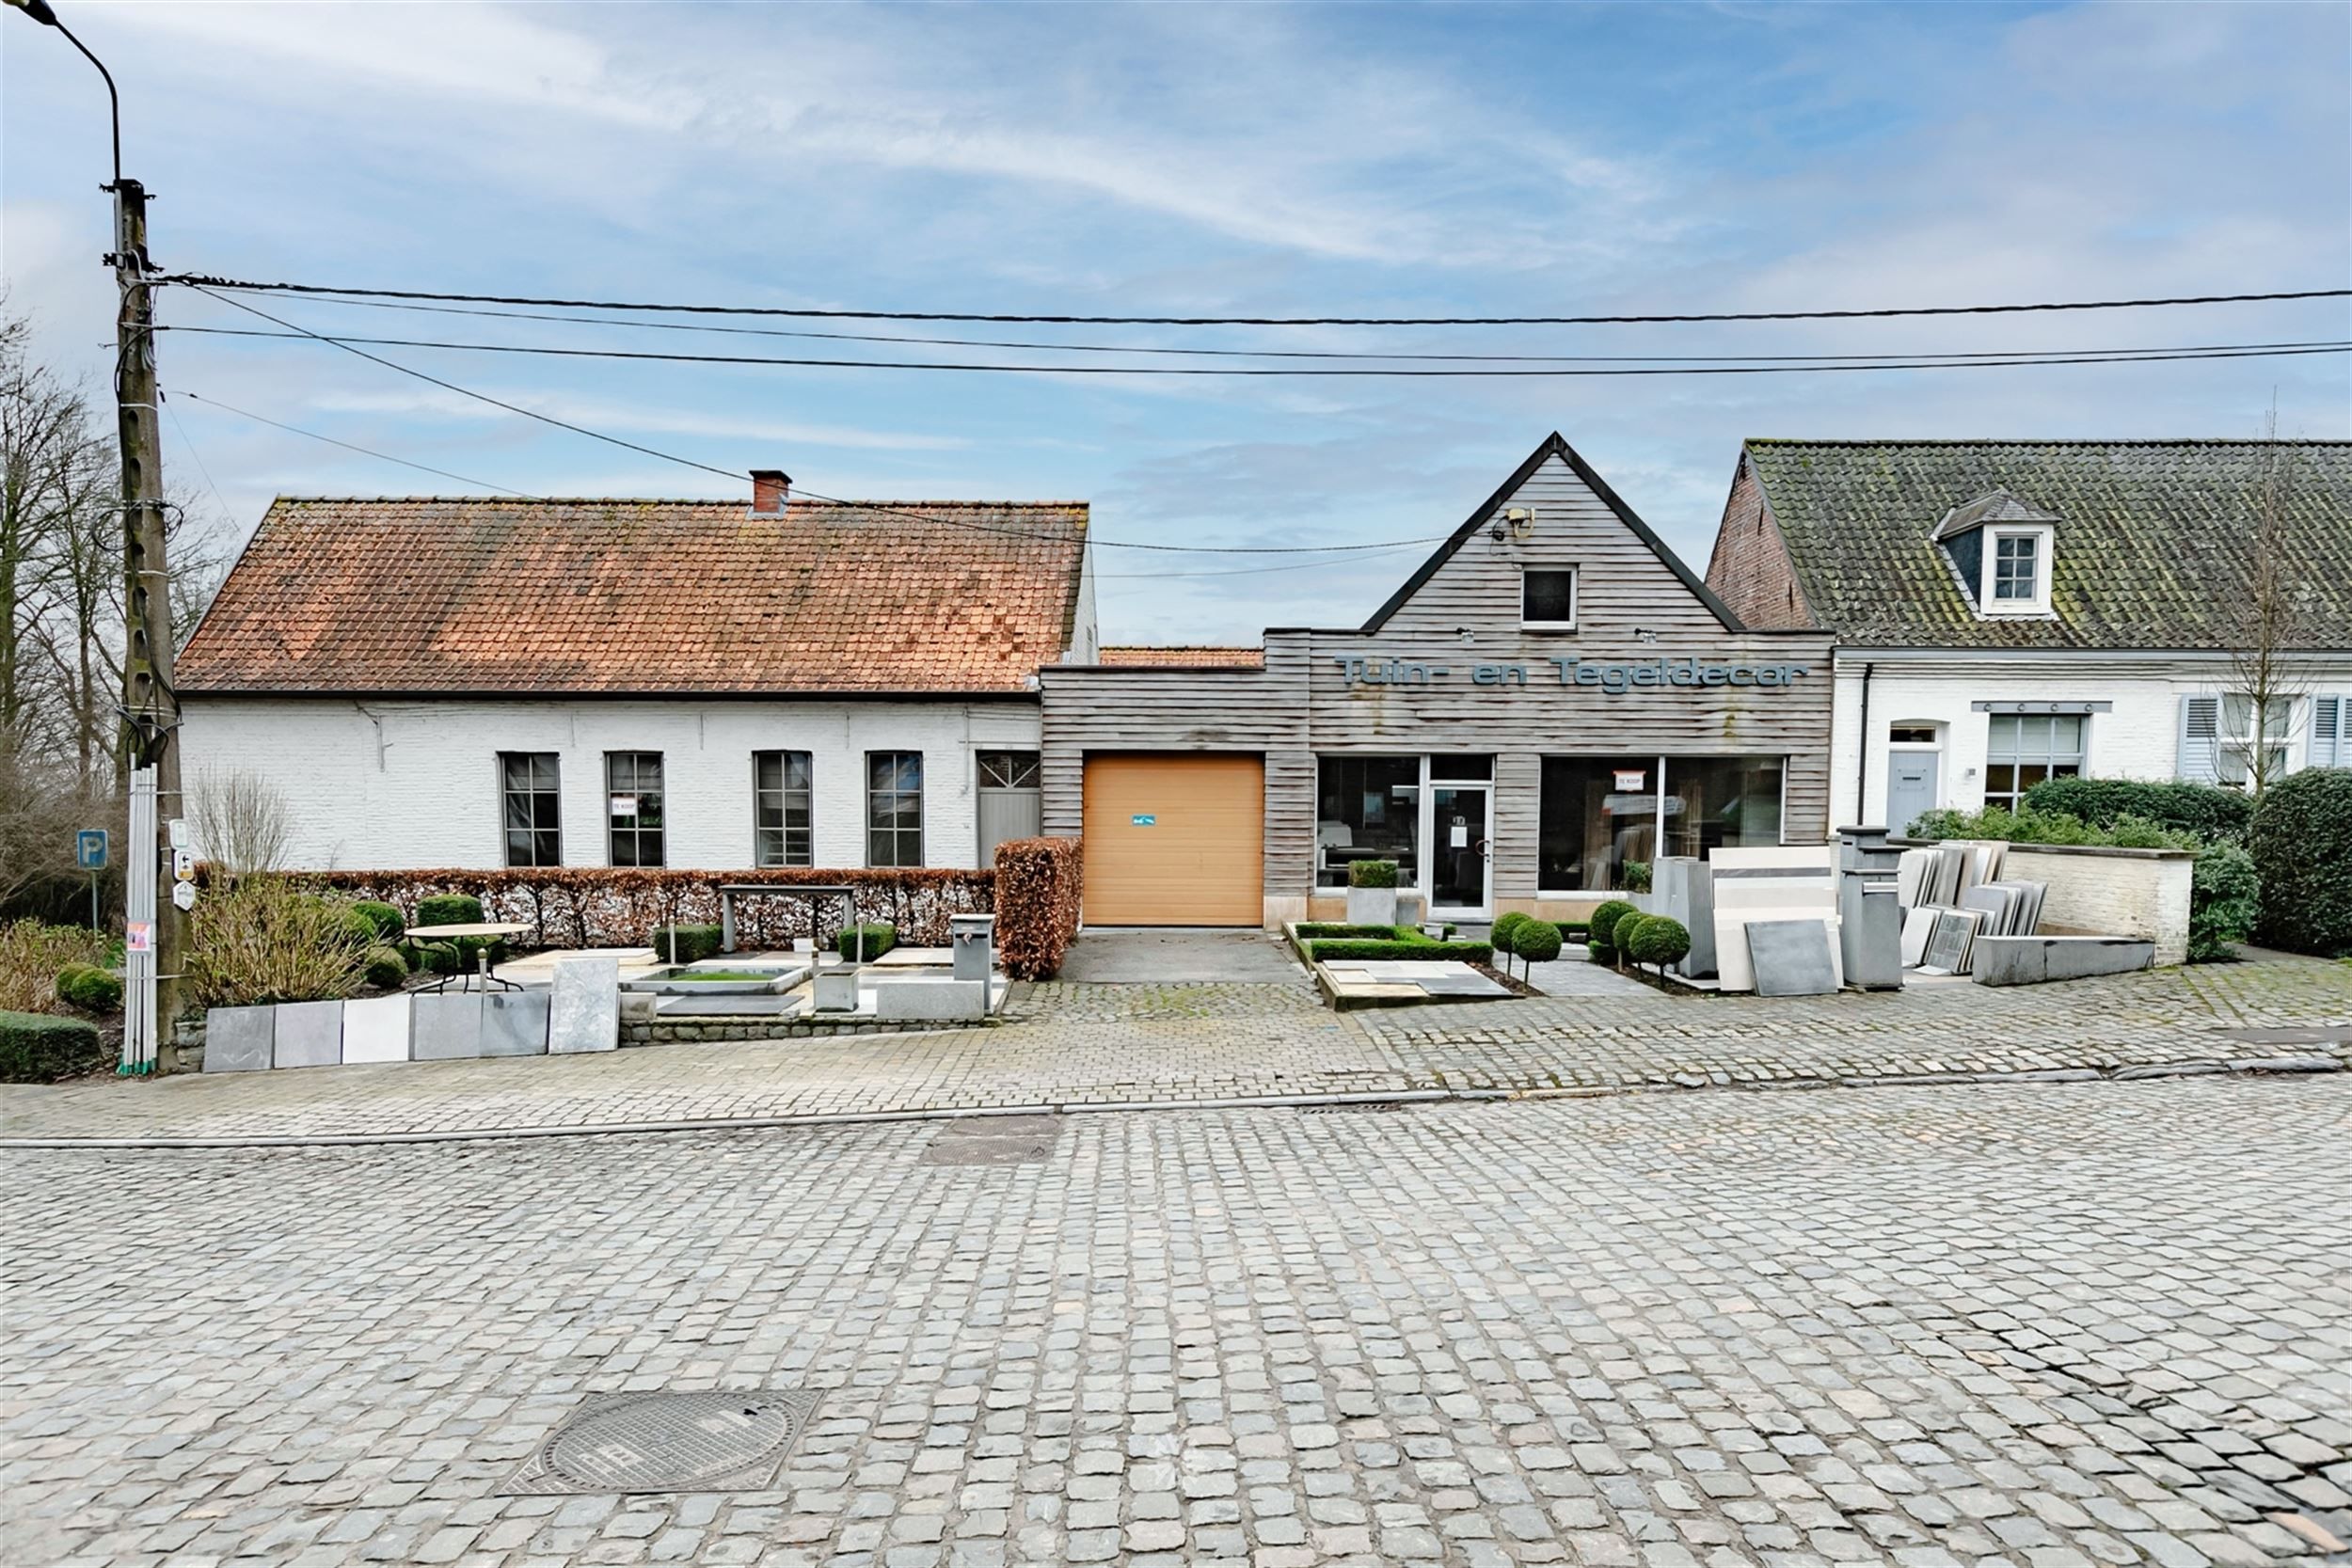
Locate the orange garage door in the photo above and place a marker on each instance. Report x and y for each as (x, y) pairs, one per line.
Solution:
(1175, 840)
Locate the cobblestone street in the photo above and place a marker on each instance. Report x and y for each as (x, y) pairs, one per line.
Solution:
(1080, 1045)
(2043, 1325)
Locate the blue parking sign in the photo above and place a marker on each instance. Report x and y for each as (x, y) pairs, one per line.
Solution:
(89, 848)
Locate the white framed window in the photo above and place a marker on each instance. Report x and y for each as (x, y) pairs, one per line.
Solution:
(2237, 742)
(2016, 571)
(781, 796)
(2023, 748)
(2332, 732)
(1547, 598)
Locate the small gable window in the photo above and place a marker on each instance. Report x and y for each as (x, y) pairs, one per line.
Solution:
(1547, 600)
(2016, 571)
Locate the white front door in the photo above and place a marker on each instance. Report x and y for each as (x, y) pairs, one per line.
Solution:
(1460, 861)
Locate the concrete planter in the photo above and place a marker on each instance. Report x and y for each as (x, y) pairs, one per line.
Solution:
(833, 991)
(1372, 906)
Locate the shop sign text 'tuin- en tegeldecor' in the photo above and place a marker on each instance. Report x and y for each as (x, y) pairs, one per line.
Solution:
(1612, 679)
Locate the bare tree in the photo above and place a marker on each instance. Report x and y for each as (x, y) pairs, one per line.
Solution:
(2269, 667)
(240, 820)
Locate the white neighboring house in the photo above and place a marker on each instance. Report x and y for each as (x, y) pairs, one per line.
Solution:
(2007, 611)
(484, 683)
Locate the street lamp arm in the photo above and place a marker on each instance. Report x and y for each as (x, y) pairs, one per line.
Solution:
(38, 10)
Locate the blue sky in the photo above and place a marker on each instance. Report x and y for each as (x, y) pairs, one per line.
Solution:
(1191, 160)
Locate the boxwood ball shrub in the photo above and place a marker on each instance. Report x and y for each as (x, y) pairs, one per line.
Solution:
(89, 987)
(1603, 924)
(2301, 840)
(1505, 929)
(1536, 941)
(449, 909)
(1657, 938)
(1371, 874)
(39, 1047)
(1621, 929)
(385, 969)
(385, 918)
(438, 958)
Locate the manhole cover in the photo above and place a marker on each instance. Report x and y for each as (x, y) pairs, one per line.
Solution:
(993, 1141)
(722, 1440)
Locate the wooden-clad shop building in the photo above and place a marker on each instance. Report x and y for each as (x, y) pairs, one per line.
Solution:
(1553, 698)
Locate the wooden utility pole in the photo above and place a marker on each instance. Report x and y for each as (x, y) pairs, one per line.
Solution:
(151, 705)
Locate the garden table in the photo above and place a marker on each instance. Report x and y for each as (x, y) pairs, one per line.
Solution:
(491, 928)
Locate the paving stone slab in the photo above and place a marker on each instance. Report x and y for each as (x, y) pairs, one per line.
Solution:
(239, 1040)
(584, 1013)
(1792, 958)
(447, 1025)
(376, 1029)
(514, 1023)
(308, 1034)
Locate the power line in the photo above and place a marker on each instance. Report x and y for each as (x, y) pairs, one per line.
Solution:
(1940, 362)
(348, 446)
(1203, 353)
(1382, 551)
(831, 500)
(208, 281)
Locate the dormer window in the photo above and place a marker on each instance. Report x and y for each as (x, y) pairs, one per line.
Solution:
(2016, 571)
(1998, 548)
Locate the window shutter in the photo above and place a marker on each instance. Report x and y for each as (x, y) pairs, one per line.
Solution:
(2330, 746)
(2201, 736)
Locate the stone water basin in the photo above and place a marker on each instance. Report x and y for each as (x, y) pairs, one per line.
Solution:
(712, 978)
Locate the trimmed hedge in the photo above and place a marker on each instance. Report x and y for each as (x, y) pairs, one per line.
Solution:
(37, 1048)
(615, 906)
(1371, 874)
(2224, 902)
(693, 943)
(864, 944)
(2215, 815)
(1037, 888)
(89, 987)
(1310, 928)
(385, 918)
(449, 909)
(1467, 952)
(2301, 841)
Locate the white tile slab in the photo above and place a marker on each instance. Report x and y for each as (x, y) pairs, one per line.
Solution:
(376, 1030)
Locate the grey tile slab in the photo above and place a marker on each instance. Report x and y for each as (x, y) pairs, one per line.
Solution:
(308, 1034)
(1792, 958)
(585, 1004)
(375, 1029)
(239, 1040)
(514, 1023)
(447, 1025)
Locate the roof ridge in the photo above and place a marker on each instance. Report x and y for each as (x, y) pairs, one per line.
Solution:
(670, 500)
(2044, 441)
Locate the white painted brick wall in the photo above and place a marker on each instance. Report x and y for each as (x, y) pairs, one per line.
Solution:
(2138, 738)
(401, 785)
(2111, 893)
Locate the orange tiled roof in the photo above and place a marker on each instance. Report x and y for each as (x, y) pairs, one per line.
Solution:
(429, 594)
(1194, 657)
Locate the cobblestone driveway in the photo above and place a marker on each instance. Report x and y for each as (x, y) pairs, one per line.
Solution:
(2040, 1326)
(1119, 1044)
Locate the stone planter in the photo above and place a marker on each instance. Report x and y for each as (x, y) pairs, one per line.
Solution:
(833, 991)
(1372, 906)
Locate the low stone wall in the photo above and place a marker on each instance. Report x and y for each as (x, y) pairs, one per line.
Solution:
(2111, 893)
(707, 1031)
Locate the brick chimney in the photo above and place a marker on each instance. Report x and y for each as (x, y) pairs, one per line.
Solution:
(769, 488)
